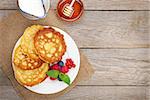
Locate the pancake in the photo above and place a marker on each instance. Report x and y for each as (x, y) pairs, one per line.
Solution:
(24, 61)
(31, 77)
(49, 45)
(27, 41)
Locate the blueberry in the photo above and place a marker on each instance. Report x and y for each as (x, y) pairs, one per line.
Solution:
(61, 63)
(59, 78)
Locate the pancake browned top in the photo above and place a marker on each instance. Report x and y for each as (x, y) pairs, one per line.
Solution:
(31, 77)
(27, 40)
(25, 61)
(50, 45)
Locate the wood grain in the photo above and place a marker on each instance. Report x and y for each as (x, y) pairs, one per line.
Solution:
(95, 93)
(148, 93)
(114, 67)
(119, 66)
(8, 93)
(111, 30)
(4, 81)
(98, 29)
(94, 4)
(106, 93)
(113, 4)
(116, 42)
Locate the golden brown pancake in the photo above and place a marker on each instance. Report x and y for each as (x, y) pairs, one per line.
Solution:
(38, 47)
(31, 77)
(49, 45)
(27, 40)
(24, 61)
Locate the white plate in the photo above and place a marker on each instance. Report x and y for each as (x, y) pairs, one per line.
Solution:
(49, 86)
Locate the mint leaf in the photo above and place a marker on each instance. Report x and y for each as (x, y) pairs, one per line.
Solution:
(64, 78)
(53, 73)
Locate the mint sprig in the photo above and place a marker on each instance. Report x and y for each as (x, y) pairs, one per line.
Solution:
(55, 74)
(64, 78)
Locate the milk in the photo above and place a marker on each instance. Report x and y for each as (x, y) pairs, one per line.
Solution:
(36, 8)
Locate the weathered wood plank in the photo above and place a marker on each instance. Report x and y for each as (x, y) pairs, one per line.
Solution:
(98, 29)
(148, 93)
(114, 67)
(113, 4)
(106, 93)
(111, 30)
(8, 4)
(119, 66)
(94, 4)
(8, 93)
(95, 93)
(4, 81)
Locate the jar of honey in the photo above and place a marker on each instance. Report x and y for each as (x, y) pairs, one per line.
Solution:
(70, 10)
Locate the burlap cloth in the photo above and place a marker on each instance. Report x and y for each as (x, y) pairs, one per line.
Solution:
(11, 28)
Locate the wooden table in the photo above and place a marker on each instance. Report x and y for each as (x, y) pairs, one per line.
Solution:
(114, 34)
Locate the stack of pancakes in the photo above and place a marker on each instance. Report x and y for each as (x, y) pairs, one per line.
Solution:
(38, 47)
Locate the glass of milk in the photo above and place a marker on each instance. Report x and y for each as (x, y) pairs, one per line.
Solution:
(34, 9)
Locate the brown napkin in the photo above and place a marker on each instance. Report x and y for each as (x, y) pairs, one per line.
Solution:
(12, 26)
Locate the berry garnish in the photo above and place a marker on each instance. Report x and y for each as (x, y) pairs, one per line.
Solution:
(59, 70)
(61, 63)
(73, 65)
(55, 67)
(64, 69)
(53, 78)
(69, 63)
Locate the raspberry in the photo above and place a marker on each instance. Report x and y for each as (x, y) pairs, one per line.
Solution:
(53, 78)
(73, 65)
(69, 63)
(55, 67)
(64, 69)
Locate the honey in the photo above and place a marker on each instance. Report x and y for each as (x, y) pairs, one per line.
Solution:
(77, 9)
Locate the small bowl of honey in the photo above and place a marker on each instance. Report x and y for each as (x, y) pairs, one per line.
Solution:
(70, 10)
